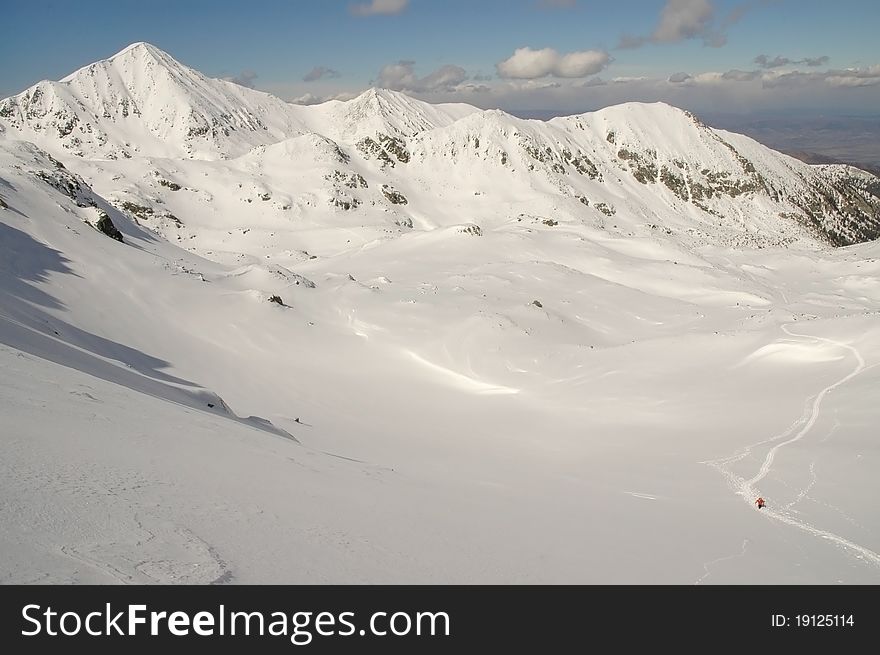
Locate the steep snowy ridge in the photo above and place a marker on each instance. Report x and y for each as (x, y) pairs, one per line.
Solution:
(708, 168)
(141, 101)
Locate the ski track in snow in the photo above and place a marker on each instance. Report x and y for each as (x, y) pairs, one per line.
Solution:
(803, 494)
(747, 487)
(742, 553)
(834, 429)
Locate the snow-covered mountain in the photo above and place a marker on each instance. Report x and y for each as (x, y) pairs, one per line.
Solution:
(642, 164)
(141, 101)
(387, 341)
(380, 111)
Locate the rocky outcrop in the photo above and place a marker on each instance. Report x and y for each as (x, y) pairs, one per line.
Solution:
(393, 196)
(388, 150)
(105, 225)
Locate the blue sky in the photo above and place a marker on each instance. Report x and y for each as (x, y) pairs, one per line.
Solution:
(516, 54)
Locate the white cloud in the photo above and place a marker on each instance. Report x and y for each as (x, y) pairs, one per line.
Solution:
(680, 20)
(777, 62)
(379, 7)
(593, 81)
(628, 80)
(306, 99)
(727, 91)
(814, 81)
(693, 19)
(402, 77)
(848, 77)
(312, 99)
(765, 61)
(527, 64)
(855, 77)
(736, 75)
(683, 19)
(470, 87)
(709, 77)
(320, 72)
(713, 78)
(532, 85)
(244, 78)
(816, 61)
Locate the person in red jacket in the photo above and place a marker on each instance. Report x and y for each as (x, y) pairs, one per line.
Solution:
(760, 503)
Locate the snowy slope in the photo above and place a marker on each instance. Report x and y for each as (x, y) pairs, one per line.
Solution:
(546, 365)
(536, 398)
(47, 206)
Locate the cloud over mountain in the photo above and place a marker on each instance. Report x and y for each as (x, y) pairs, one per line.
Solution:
(528, 64)
(401, 76)
(320, 72)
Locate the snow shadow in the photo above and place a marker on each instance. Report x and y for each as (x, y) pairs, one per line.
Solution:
(130, 228)
(23, 261)
(26, 327)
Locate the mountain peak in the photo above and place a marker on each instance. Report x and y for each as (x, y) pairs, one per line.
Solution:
(648, 110)
(174, 109)
(146, 54)
(393, 113)
(137, 48)
(139, 55)
(377, 95)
